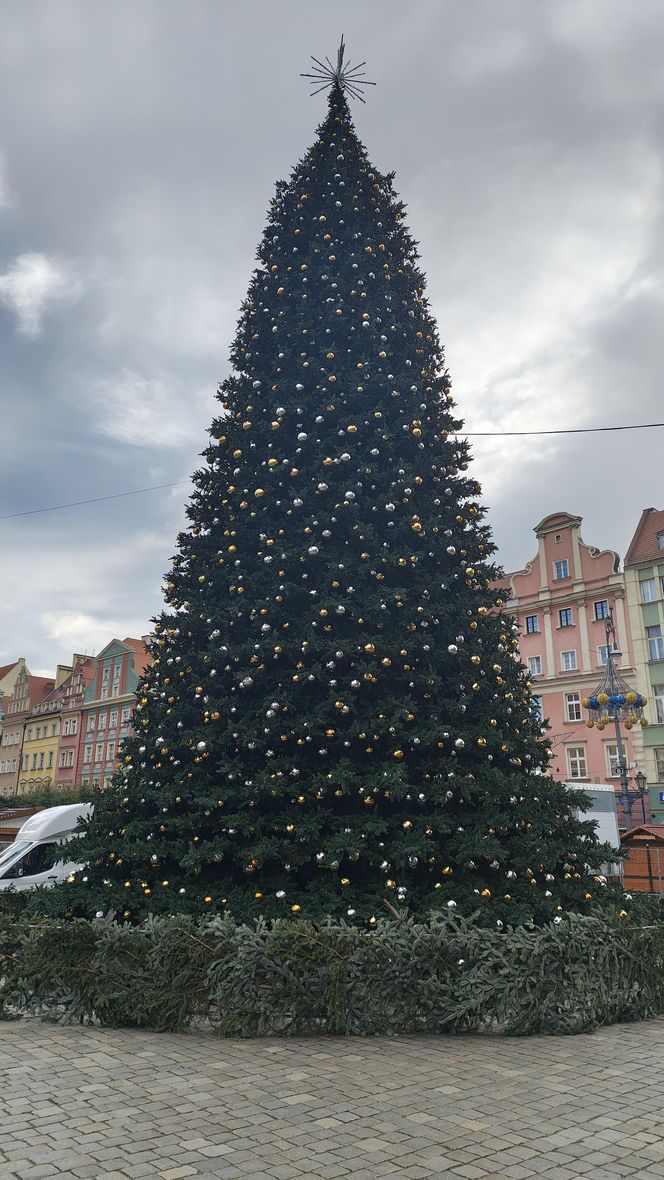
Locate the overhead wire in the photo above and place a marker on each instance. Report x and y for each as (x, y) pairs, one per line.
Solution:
(457, 434)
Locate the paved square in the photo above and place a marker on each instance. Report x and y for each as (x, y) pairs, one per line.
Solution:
(113, 1104)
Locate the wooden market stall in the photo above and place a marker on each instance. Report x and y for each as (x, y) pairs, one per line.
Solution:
(643, 867)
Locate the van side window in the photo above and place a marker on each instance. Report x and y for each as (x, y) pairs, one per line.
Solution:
(37, 860)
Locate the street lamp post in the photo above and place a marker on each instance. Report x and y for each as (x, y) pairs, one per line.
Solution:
(613, 702)
(642, 786)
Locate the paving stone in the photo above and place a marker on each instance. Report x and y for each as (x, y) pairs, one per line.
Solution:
(96, 1103)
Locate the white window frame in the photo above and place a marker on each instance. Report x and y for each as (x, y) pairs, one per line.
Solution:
(658, 701)
(538, 704)
(655, 643)
(569, 665)
(532, 630)
(612, 760)
(576, 762)
(567, 612)
(659, 763)
(573, 707)
(558, 565)
(604, 603)
(649, 595)
(531, 661)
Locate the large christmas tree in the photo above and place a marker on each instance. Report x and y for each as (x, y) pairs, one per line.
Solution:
(335, 714)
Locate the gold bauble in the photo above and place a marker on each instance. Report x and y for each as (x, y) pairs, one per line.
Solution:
(398, 754)
(296, 909)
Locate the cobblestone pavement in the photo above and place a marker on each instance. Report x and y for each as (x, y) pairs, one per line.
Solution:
(89, 1102)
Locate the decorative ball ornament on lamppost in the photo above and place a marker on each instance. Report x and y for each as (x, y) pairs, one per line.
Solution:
(613, 701)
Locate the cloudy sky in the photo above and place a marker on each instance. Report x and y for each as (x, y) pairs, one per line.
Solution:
(139, 146)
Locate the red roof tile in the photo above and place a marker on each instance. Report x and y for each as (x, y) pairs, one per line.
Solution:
(40, 687)
(7, 668)
(141, 654)
(647, 829)
(644, 545)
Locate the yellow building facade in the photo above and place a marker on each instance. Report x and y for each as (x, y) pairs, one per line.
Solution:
(40, 738)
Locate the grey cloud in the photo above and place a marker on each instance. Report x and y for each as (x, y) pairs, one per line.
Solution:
(141, 144)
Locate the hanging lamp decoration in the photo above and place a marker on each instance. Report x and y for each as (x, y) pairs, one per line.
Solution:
(613, 700)
(345, 76)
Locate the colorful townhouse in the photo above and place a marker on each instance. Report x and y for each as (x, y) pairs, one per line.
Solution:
(644, 584)
(41, 734)
(70, 743)
(561, 600)
(9, 674)
(28, 692)
(109, 702)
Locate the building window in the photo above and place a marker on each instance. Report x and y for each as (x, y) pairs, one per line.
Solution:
(601, 609)
(41, 761)
(87, 754)
(655, 643)
(126, 715)
(659, 763)
(658, 693)
(538, 711)
(576, 761)
(91, 721)
(568, 659)
(558, 538)
(648, 591)
(535, 665)
(565, 617)
(612, 761)
(573, 706)
(110, 751)
(50, 759)
(560, 570)
(101, 724)
(532, 625)
(99, 751)
(660, 540)
(113, 719)
(34, 761)
(66, 758)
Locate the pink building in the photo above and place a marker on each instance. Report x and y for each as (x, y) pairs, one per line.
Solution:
(561, 600)
(110, 699)
(70, 742)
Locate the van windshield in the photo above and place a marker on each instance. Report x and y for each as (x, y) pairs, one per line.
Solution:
(16, 849)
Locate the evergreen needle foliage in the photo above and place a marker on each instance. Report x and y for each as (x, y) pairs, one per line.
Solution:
(335, 713)
(294, 978)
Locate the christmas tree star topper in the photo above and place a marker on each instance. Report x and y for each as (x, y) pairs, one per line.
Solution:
(346, 77)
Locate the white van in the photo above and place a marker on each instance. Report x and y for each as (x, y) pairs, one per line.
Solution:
(33, 857)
